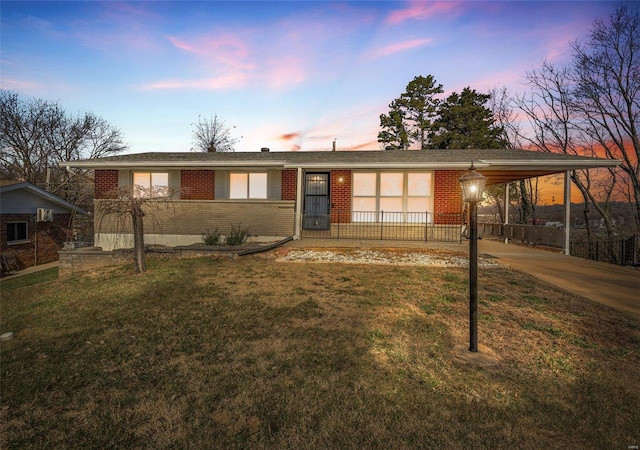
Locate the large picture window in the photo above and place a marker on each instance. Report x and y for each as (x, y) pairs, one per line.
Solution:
(391, 196)
(248, 186)
(17, 232)
(151, 184)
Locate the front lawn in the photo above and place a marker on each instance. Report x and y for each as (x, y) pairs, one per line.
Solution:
(254, 353)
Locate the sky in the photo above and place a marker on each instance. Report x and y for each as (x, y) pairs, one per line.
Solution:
(285, 75)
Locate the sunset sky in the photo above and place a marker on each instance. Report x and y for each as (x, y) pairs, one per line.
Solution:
(287, 75)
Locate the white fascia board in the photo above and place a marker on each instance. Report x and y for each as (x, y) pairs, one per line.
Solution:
(383, 166)
(170, 164)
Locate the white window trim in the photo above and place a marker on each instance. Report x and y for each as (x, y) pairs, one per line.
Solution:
(155, 190)
(247, 190)
(405, 191)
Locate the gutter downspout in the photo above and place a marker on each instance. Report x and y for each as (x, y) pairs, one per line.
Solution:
(298, 216)
(567, 212)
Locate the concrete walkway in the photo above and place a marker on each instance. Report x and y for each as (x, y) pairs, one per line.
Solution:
(29, 270)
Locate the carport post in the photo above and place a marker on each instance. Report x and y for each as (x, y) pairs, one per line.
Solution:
(567, 211)
(298, 212)
(506, 208)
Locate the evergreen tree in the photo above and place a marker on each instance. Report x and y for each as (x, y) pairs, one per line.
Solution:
(464, 122)
(411, 114)
(394, 133)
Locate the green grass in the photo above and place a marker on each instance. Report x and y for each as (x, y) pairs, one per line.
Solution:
(252, 353)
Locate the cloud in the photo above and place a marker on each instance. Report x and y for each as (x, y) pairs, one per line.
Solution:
(233, 81)
(419, 10)
(227, 50)
(398, 47)
(20, 85)
(289, 136)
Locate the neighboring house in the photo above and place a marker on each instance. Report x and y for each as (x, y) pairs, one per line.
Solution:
(359, 194)
(34, 224)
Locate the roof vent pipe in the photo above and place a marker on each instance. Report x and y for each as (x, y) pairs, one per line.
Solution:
(334, 144)
(264, 149)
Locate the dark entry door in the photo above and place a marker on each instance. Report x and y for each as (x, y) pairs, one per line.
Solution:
(316, 201)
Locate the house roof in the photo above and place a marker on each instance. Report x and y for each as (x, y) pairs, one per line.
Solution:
(13, 185)
(499, 165)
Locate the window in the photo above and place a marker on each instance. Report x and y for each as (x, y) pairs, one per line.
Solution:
(248, 186)
(396, 193)
(17, 232)
(151, 184)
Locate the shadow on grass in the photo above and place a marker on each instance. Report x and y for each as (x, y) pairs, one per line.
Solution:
(256, 354)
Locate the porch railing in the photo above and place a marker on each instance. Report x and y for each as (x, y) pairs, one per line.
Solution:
(384, 225)
(625, 252)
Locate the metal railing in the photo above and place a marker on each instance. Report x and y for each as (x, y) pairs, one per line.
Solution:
(625, 252)
(529, 234)
(384, 225)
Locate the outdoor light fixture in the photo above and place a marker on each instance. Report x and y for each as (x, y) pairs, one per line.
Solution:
(340, 179)
(472, 184)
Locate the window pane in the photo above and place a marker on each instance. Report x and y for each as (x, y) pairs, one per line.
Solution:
(238, 185)
(364, 204)
(419, 184)
(364, 184)
(391, 185)
(364, 210)
(142, 179)
(391, 204)
(16, 231)
(418, 204)
(160, 179)
(257, 185)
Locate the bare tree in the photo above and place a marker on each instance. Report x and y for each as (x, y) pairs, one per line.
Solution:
(606, 72)
(212, 135)
(36, 135)
(126, 207)
(549, 108)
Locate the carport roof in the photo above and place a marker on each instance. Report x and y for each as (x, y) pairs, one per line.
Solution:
(499, 165)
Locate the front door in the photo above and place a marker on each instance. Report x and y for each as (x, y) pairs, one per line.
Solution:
(316, 201)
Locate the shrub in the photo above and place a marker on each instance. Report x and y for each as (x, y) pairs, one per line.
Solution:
(211, 237)
(237, 235)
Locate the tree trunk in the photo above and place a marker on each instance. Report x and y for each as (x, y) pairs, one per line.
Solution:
(138, 240)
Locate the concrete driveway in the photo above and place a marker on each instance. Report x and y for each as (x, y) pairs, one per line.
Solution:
(611, 285)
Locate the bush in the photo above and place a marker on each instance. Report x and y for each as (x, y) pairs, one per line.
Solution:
(211, 238)
(237, 235)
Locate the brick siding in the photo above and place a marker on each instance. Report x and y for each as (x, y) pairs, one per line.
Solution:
(340, 195)
(447, 193)
(197, 184)
(50, 238)
(289, 184)
(106, 183)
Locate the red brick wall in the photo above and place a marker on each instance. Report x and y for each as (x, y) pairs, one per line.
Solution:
(340, 196)
(289, 181)
(50, 238)
(106, 182)
(197, 184)
(447, 195)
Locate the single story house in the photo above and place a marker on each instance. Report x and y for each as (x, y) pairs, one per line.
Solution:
(34, 224)
(391, 194)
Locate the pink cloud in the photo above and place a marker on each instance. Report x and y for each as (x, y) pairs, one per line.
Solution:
(398, 47)
(19, 85)
(227, 50)
(232, 81)
(419, 10)
(289, 136)
(286, 71)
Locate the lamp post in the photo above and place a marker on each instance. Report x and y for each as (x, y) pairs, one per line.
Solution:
(472, 184)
